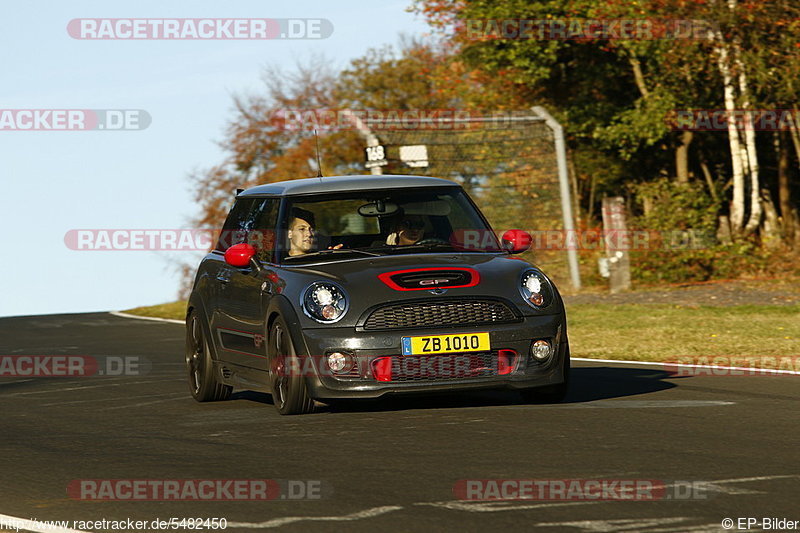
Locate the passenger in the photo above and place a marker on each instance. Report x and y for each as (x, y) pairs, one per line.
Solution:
(408, 230)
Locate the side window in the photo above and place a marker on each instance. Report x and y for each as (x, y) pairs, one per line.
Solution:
(240, 222)
(262, 236)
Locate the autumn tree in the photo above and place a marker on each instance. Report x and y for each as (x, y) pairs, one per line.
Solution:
(615, 95)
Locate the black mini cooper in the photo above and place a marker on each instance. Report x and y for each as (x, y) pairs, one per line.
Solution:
(359, 286)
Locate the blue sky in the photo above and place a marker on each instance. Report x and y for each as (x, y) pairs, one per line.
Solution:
(55, 181)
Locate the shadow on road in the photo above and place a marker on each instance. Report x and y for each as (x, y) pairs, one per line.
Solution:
(588, 384)
(602, 383)
(252, 396)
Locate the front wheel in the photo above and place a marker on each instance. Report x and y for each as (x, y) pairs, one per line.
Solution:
(199, 367)
(288, 384)
(550, 393)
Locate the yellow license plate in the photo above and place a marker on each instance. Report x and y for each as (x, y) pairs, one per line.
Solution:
(459, 343)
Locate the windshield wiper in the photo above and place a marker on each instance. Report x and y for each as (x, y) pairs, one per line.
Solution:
(434, 245)
(410, 247)
(332, 252)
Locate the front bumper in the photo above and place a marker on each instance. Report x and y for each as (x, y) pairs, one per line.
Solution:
(367, 346)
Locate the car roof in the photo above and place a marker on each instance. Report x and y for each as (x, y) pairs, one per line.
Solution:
(346, 183)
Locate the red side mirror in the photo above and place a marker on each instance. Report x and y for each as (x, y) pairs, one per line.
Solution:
(516, 241)
(239, 255)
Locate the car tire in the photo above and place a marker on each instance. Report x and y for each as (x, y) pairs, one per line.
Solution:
(288, 385)
(550, 393)
(203, 383)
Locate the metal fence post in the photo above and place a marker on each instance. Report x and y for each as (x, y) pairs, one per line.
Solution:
(371, 138)
(563, 181)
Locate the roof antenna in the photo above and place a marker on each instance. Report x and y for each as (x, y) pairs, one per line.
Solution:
(319, 162)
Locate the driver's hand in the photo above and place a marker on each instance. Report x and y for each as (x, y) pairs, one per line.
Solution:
(335, 247)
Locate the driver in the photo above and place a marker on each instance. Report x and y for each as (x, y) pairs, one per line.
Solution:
(301, 232)
(302, 235)
(408, 230)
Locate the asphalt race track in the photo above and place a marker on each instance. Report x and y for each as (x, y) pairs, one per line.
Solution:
(390, 465)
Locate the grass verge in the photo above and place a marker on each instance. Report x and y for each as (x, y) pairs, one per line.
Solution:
(174, 310)
(653, 332)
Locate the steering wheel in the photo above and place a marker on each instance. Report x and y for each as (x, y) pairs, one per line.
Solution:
(432, 240)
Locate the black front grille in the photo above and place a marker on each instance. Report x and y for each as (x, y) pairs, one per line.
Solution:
(438, 314)
(445, 367)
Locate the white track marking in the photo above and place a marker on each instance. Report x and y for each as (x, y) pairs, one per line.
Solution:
(748, 479)
(639, 404)
(624, 524)
(682, 365)
(626, 404)
(156, 319)
(13, 382)
(713, 527)
(32, 525)
(277, 522)
(715, 486)
(493, 507)
(721, 489)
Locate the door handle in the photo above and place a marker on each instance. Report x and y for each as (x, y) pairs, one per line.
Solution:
(224, 276)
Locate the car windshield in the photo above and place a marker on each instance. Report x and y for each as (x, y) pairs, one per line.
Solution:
(385, 222)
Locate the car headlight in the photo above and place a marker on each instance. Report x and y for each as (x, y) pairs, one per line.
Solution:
(535, 289)
(325, 302)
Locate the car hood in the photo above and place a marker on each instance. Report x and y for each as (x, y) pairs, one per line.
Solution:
(499, 277)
